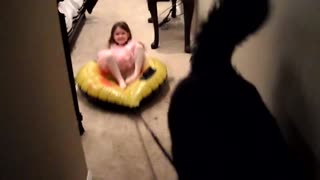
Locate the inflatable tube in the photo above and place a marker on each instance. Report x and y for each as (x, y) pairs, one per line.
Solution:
(95, 83)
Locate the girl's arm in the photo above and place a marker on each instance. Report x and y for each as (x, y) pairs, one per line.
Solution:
(141, 43)
(139, 58)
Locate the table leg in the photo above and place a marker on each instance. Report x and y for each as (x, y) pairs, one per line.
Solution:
(152, 4)
(174, 8)
(188, 7)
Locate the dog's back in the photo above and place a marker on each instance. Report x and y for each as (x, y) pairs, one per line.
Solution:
(220, 128)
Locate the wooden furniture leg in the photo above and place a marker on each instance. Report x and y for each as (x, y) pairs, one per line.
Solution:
(188, 7)
(174, 8)
(152, 6)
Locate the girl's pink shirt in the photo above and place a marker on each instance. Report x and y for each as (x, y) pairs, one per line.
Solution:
(124, 55)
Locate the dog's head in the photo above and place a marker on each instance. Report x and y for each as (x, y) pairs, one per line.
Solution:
(229, 23)
(240, 18)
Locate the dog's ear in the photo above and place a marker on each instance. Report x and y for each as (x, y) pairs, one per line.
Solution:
(235, 19)
(243, 17)
(229, 23)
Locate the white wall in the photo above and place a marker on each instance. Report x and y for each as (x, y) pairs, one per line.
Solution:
(38, 129)
(283, 61)
(200, 14)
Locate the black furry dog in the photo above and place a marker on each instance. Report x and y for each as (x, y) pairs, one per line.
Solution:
(220, 127)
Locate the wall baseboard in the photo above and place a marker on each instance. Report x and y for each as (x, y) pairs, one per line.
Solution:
(89, 175)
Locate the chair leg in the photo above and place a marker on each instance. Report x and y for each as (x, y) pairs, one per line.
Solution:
(174, 8)
(188, 7)
(152, 4)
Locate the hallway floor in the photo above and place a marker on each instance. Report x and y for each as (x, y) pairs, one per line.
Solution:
(117, 146)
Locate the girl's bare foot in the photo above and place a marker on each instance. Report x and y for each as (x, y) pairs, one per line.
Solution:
(131, 78)
(123, 85)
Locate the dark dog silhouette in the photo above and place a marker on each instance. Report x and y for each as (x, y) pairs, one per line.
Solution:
(220, 127)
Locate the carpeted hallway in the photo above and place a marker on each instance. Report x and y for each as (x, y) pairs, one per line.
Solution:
(118, 146)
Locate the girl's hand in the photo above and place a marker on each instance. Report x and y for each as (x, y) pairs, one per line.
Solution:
(141, 43)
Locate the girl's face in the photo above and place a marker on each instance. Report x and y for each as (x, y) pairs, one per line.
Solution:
(120, 36)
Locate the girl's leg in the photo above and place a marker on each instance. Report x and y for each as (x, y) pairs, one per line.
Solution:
(139, 61)
(115, 71)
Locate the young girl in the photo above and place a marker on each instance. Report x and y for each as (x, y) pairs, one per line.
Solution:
(124, 57)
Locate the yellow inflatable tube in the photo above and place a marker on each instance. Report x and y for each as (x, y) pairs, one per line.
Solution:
(91, 80)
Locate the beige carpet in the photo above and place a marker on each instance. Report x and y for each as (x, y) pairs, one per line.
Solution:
(113, 147)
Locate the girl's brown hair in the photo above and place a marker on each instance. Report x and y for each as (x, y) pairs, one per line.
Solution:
(123, 25)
